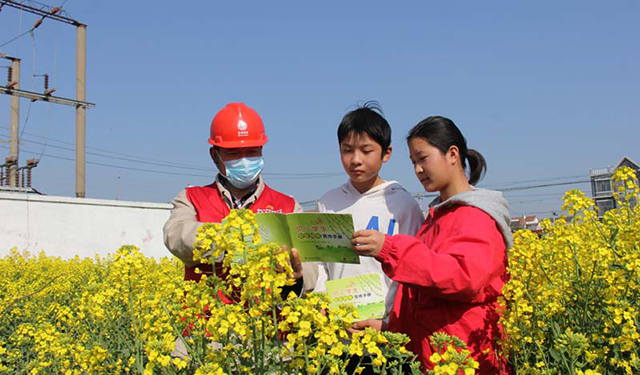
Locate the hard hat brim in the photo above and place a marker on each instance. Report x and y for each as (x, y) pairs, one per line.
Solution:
(239, 144)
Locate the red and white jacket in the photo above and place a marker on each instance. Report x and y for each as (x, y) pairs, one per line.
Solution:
(450, 276)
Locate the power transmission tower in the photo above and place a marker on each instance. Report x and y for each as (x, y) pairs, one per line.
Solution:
(80, 101)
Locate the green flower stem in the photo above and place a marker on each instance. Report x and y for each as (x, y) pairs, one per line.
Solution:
(137, 343)
(177, 332)
(586, 297)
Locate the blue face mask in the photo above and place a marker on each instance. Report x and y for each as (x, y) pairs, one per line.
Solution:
(243, 172)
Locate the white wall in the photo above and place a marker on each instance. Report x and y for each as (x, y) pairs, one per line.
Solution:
(65, 227)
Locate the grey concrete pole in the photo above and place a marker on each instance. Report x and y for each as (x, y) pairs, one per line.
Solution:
(80, 111)
(15, 124)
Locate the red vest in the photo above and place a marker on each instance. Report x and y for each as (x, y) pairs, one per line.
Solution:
(211, 208)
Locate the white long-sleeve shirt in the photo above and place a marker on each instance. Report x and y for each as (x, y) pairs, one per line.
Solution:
(388, 208)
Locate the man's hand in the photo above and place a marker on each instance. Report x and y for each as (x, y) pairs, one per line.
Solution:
(377, 324)
(368, 242)
(296, 264)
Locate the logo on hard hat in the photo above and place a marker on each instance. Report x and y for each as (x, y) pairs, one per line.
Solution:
(242, 129)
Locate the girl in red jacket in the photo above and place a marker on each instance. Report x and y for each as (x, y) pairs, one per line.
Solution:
(451, 274)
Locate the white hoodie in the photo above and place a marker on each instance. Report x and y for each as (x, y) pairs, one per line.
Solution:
(388, 208)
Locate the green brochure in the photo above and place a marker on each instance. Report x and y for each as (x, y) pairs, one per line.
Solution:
(364, 292)
(318, 237)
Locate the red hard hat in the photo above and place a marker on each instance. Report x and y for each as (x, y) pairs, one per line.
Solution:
(237, 125)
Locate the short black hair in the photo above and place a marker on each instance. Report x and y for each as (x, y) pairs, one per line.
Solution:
(366, 119)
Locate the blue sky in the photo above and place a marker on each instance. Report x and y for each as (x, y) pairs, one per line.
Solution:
(544, 89)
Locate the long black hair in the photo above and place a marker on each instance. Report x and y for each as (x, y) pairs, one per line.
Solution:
(442, 133)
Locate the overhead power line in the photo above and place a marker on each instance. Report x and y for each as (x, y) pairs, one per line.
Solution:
(509, 183)
(526, 201)
(113, 166)
(304, 177)
(16, 38)
(422, 195)
(530, 195)
(45, 11)
(519, 188)
(161, 163)
(49, 139)
(113, 157)
(41, 9)
(156, 171)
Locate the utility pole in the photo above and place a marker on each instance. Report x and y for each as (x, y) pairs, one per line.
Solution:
(81, 75)
(81, 129)
(14, 81)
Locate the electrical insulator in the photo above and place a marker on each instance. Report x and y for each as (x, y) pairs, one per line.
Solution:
(46, 82)
(9, 74)
(38, 23)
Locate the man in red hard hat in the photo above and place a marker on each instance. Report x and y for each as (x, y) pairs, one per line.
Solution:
(237, 137)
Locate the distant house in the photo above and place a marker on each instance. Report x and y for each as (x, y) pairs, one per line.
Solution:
(601, 188)
(526, 222)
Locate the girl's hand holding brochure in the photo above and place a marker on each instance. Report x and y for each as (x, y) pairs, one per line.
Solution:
(368, 242)
(377, 324)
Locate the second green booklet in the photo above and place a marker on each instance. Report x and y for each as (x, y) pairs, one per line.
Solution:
(318, 237)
